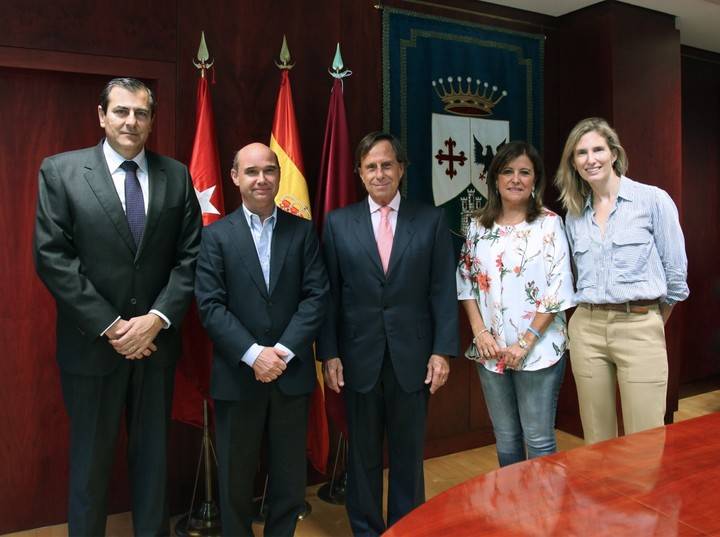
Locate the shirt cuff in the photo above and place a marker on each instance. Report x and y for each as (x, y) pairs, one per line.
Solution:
(164, 319)
(251, 354)
(290, 354)
(109, 326)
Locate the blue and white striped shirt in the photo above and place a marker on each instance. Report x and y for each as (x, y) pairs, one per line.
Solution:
(642, 255)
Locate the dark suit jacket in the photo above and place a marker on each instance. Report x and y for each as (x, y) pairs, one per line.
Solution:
(237, 309)
(85, 254)
(413, 309)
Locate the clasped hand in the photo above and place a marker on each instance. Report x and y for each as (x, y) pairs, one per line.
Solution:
(512, 356)
(134, 338)
(269, 364)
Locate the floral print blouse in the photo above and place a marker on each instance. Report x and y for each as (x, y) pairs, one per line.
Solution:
(513, 272)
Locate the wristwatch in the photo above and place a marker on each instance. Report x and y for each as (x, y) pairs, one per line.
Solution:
(523, 344)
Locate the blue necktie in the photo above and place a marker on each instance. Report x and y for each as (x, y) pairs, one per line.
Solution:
(134, 203)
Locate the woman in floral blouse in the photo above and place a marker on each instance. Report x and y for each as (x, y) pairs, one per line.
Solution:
(514, 281)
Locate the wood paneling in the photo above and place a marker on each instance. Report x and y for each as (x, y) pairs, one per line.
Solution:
(701, 207)
(50, 99)
(129, 29)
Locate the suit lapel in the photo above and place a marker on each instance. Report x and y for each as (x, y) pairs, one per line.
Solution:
(248, 253)
(282, 237)
(404, 230)
(362, 226)
(100, 181)
(157, 183)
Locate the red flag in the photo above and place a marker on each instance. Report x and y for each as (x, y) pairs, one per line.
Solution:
(192, 377)
(335, 189)
(293, 197)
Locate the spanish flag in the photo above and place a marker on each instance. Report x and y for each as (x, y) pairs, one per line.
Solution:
(293, 197)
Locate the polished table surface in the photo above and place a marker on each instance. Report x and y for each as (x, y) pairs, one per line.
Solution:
(664, 481)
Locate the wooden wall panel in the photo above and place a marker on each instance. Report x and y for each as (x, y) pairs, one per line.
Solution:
(701, 207)
(50, 99)
(247, 79)
(131, 29)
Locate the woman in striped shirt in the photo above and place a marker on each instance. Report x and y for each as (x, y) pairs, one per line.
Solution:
(629, 258)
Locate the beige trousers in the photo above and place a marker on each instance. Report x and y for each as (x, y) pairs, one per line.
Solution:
(627, 349)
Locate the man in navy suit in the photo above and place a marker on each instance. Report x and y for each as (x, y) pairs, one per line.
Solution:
(261, 290)
(116, 237)
(390, 329)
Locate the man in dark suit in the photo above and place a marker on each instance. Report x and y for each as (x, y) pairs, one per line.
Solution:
(261, 290)
(116, 238)
(389, 331)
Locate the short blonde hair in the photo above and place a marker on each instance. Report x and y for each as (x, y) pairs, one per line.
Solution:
(573, 189)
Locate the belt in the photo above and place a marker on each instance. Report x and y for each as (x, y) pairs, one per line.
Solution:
(633, 306)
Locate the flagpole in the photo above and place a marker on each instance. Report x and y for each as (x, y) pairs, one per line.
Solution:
(332, 196)
(205, 520)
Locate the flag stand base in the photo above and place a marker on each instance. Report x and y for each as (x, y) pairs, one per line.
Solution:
(205, 520)
(334, 490)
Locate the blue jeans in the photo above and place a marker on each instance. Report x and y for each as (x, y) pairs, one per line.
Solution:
(522, 407)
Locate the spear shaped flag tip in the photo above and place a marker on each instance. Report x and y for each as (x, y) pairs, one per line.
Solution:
(284, 56)
(337, 61)
(284, 51)
(203, 55)
(338, 68)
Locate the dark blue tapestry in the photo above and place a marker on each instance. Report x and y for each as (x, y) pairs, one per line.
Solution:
(455, 92)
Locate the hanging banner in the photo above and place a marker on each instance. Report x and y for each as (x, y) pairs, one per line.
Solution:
(454, 93)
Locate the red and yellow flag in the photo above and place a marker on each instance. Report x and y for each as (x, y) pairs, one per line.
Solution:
(293, 198)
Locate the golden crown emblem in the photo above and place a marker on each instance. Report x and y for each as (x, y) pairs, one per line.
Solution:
(466, 101)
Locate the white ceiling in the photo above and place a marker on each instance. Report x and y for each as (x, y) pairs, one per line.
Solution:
(697, 20)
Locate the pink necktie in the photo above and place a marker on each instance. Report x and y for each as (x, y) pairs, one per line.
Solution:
(385, 237)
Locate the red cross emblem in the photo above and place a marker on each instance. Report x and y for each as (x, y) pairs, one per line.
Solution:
(450, 158)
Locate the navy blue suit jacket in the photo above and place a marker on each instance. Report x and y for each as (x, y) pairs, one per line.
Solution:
(412, 310)
(237, 308)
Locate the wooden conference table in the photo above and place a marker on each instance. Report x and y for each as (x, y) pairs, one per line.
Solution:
(664, 481)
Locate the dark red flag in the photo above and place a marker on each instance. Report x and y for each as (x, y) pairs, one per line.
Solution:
(335, 188)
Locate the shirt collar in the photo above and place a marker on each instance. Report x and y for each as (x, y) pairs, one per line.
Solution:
(115, 159)
(249, 216)
(625, 191)
(394, 203)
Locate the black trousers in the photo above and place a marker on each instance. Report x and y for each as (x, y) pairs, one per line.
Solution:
(385, 410)
(239, 431)
(95, 406)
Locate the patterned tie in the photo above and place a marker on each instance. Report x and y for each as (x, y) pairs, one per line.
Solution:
(134, 203)
(385, 237)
